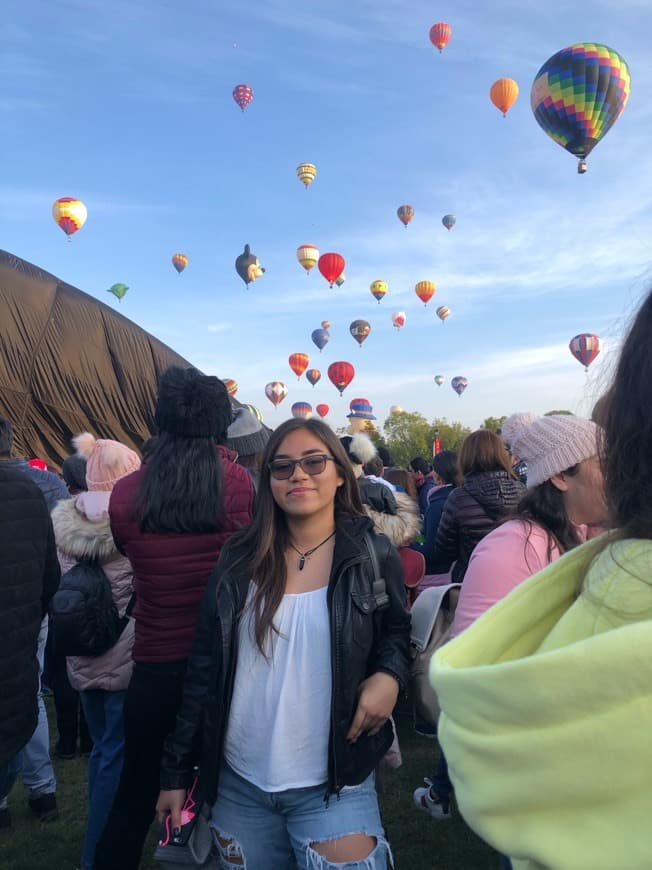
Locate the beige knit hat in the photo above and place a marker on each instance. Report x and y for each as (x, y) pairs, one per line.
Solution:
(550, 445)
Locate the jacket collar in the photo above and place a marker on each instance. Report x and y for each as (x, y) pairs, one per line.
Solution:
(349, 539)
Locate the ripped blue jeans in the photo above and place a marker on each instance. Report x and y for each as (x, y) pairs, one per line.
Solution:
(278, 829)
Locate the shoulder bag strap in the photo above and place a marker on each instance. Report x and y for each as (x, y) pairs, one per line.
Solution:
(379, 587)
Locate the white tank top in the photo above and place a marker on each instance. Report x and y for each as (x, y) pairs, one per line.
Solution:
(279, 723)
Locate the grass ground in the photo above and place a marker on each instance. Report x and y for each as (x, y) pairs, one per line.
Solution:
(418, 842)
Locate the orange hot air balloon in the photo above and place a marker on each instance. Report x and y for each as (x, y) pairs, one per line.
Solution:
(307, 255)
(313, 375)
(322, 410)
(425, 290)
(179, 261)
(231, 386)
(340, 375)
(440, 35)
(331, 266)
(503, 94)
(299, 363)
(405, 213)
(69, 214)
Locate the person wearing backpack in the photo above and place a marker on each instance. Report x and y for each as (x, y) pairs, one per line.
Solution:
(83, 536)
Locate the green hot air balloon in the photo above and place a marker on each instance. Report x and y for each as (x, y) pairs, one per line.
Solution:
(119, 291)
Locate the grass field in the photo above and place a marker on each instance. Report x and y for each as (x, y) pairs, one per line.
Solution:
(418, 842)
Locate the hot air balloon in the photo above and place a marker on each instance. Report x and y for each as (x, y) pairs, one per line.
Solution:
(313, 375)
(118, 290)
(331, 266)
(340, 375)
(276, 392)
(378, 289)
(585, 347)
(298, 363)
(425, 290)
(69, 214)
(339, 281)
(440, 34)
(503, 94)
(307, 173)
(459, 384)
(247, 266)
(302, 409)
(231, 386)
(325, 324)
(405, 213)
(243, 95)
(320, 338)
(360, 329)
(322, 410)
(443, 312)
(398, 319)
(255, 411)
(578, 94)
(307, 255)
(449, 221)
(395, 409)
(179, 261)
(439, 380)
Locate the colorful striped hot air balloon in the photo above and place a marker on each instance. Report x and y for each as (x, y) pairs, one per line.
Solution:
(302, 410)
(360, 329)
(425, 290)
(459, 384)
(443, 312)
(585, 347)
(179, 261)
(313, 375)
(398, 319)
(578, 94)
(331, 266)
(439, 380)
(339, 281)
(340, 374)
(503, 94)
(307, 255)
(405, 213)
(449, 221)
(378, 289)
(243, 95)
(69, 214)
(276, 391)
(322, 410)
(440, 35)
(307, 172)
(231, 386)
(298, 363)
(320, 337)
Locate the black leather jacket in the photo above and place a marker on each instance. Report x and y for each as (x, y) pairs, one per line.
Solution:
(365, 639)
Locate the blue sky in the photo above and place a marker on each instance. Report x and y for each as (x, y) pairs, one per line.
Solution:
(127, 105)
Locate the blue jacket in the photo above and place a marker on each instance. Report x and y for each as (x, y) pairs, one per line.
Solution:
(50, 484)
(433, 513)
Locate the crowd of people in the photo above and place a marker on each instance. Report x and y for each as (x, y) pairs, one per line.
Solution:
(257, 580)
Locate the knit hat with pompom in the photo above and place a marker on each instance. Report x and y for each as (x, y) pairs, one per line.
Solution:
(513, 425)
(106, 461)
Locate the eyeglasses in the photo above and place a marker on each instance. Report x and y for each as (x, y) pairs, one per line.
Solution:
(282, 469)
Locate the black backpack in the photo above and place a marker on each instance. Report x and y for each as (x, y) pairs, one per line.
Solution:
(84, 620)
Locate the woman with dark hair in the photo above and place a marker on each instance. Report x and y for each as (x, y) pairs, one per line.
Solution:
(171, 519)
(300, 653)
(547, 698)
(445, 474)
(490, 492)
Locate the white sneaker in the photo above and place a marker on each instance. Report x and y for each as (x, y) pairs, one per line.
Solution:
(428, 801)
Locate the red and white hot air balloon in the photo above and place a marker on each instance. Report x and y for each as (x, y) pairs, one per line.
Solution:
(276, 391)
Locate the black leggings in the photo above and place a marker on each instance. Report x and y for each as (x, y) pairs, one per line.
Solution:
(152, 703)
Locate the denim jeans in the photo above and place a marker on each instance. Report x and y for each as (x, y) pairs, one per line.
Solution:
(276, 829)
(104, 713)
(38, 773)
(440, 779)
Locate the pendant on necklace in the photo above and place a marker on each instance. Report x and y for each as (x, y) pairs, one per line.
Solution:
(302, 562)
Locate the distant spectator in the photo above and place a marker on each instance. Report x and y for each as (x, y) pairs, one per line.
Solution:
(445, 475)
(403, 481)
(424, 480)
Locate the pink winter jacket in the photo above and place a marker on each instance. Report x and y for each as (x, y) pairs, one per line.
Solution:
(82, 530)
(503, 559)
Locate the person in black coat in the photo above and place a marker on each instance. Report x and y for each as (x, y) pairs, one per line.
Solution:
(490, 493)
(29, 577)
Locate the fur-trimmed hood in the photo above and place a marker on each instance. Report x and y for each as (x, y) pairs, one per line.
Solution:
(79, 537)
(403, 527)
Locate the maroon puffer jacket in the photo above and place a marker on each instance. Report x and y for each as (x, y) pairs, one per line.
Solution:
(171, 570)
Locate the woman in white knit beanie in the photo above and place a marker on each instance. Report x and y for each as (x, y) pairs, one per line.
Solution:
(564, 506)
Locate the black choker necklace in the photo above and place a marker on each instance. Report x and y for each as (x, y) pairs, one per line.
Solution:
(304, 556)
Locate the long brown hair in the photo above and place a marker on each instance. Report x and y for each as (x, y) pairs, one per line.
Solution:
(483, 450)
(400, 477)
(260, 549)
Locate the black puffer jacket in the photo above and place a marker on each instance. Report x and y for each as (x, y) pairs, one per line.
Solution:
(364, 640)
(29, 577)
(472, 511)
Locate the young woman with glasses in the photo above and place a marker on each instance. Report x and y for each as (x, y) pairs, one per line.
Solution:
(301, 651)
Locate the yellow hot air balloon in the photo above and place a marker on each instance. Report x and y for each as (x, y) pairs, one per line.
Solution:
(378, 289)
(307, 255)
(179, 261)
(503, 94)
(307, 173)
(425, 290)
(69, 214)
